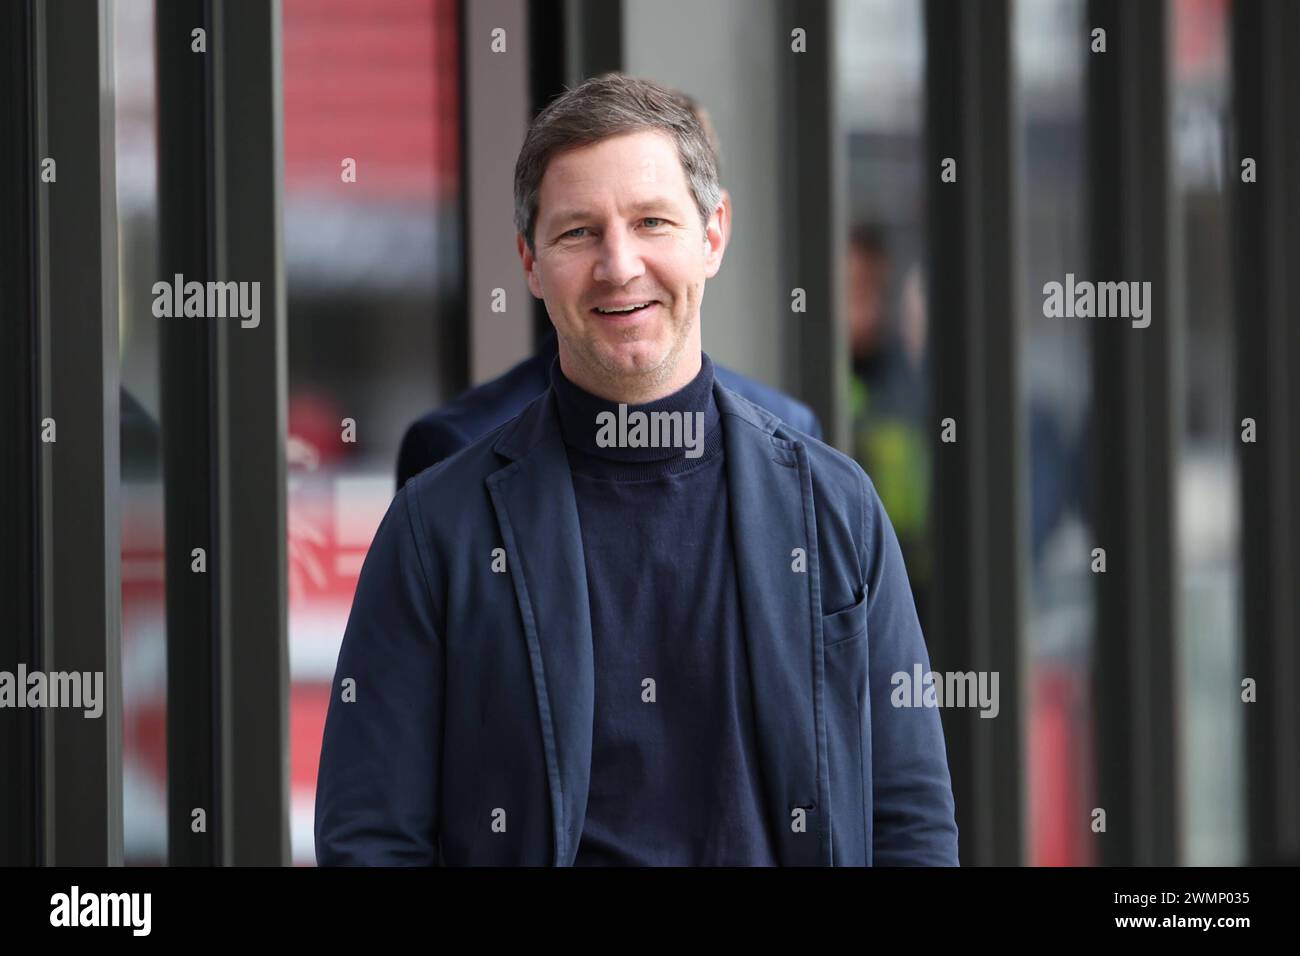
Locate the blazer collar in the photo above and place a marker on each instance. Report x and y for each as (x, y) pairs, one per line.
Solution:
(770, 492)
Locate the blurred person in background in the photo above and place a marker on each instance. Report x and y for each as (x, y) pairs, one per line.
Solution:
(888, 398)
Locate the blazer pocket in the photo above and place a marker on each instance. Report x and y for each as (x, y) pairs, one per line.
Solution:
(845, 625)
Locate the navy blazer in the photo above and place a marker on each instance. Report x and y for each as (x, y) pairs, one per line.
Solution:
(460, 720)
(446, 430)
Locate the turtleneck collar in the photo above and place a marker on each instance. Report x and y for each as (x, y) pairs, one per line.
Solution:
(582, 421)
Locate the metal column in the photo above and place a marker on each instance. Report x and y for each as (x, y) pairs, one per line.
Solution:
(1266, 228)
(80, 513)
(1134, 441)
(976, 608)
(224, 400)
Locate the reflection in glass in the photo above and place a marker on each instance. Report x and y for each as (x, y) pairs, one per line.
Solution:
(373, 262)
(881, 105)
(1049, 43)
(144, 625)
(1209, 518)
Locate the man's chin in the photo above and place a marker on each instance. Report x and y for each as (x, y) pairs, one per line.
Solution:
(632, 359)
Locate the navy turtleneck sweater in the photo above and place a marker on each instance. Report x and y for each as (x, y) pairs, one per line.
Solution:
(675, 779)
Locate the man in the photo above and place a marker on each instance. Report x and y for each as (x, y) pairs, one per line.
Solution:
(888, 401)
(448, 429)
(571, 645)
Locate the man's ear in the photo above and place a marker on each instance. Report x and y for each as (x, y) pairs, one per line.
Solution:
(715, 236)
(530, 266)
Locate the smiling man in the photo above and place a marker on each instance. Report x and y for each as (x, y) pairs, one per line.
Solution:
(566, 650)
(442, 432)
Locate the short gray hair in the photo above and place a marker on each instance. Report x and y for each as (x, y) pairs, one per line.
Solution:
(611, 105)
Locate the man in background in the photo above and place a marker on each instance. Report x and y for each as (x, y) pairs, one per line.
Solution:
(888, 398)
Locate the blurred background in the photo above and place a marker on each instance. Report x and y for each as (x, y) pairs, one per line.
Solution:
(357, 159)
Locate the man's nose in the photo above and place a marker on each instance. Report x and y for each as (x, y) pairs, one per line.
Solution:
(620, 258)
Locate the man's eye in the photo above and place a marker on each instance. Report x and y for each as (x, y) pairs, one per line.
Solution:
(571, 233)
(652, 222)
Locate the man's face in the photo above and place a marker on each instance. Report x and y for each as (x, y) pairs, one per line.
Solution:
(616, 226)
(867, 275)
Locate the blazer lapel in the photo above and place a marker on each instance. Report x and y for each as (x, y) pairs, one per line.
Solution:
(538, 516)
(769, 485)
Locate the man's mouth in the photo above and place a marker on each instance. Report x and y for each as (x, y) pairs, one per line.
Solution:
(624, 310)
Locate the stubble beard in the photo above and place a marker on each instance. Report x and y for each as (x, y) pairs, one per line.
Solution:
(620, 380)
